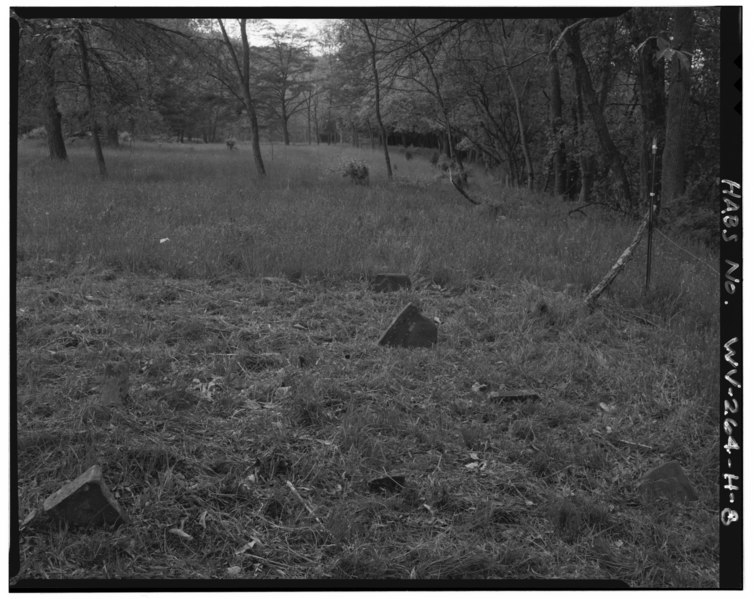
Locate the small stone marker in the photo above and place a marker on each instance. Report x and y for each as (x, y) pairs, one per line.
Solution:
(389, 282)
(410, 329)
(115, 384)
(504, 396)
(85, 501)
(668, 481)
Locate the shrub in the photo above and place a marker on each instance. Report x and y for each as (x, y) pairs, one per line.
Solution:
(38, 133)
(434, 158)
(356, 170)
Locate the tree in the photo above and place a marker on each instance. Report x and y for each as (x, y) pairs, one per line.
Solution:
(673, 165)
(365, 26)
(556, 116)
(283, 78)
(519, 111)
(53, 122)
(91, 107)
(584, 82)
(243, 81)
(38, 44)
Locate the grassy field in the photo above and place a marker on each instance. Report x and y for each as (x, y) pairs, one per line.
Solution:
(260, 406)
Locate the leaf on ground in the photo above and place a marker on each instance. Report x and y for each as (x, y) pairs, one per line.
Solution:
(249, 546)
(179, 532)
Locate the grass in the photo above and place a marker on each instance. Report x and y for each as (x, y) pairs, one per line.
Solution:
(260, 405)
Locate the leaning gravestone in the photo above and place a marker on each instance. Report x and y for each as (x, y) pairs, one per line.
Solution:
(410, 329)
(389, 282)
(668, 482)
(85, 501)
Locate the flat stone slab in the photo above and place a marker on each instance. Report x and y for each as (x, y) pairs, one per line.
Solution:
(669, 482)
(85, 501)
(410, 329)
(387, 281)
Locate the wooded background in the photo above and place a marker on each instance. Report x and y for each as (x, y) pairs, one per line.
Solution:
(564, 105)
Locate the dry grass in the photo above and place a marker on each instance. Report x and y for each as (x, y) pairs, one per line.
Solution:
(259, 409)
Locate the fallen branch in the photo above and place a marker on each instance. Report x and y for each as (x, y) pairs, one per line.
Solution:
(591, 298)
(461, 191)
(303, 502)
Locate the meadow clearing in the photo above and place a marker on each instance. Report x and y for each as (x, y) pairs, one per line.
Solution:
(260, 406)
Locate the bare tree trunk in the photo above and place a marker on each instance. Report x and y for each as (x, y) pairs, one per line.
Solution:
(242, 71)
(90, 100)
(284, 125)
(590, 97)
(53, 125)
(519, 117)
(586, 159)
(375, 75)
(673, 167)
(309, 119)
(316, 120)
(556, 119)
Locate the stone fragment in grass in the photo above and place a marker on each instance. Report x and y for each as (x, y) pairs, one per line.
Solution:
(85, 501)
(669, 482)
(115, 386)
(505, 396)
(410, 329)
(387, 484)
(389, 282)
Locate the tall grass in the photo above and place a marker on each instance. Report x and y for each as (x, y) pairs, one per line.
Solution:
(201, 211)
(242, 391)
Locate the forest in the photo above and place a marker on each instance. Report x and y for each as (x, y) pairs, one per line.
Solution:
(376, 301)
(569, 106)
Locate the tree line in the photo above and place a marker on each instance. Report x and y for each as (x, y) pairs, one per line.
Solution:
(571, 106)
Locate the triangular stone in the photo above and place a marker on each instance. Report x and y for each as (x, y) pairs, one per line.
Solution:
(85, 501)
(668, 481)
(389, 282)
(410, 329)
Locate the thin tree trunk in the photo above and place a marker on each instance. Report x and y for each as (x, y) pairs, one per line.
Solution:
(673, 166)
(586, 160)
(242, 71)
(556, 119)
(53, 125)
(90, 100)
(519, 118)
(603, 133)
(284, 125)
(378, 114)
(309, 119)
(316, 121)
